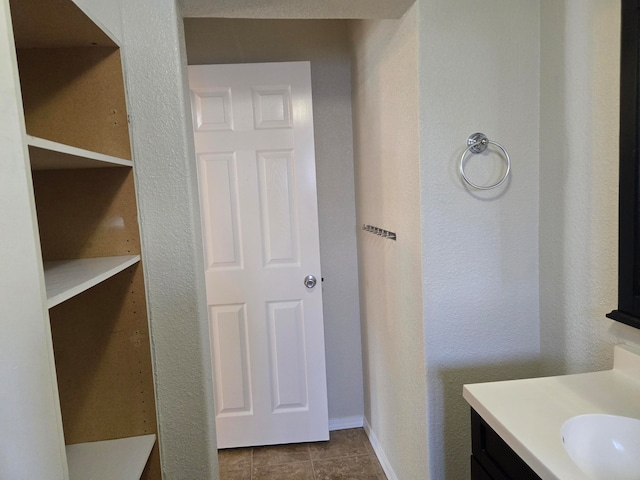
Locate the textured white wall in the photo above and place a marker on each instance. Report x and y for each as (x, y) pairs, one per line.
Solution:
(483, 316)
(385, 99)
(166, 184)
(580, 56)
(479, 71)
(325, 44)
(295, 8)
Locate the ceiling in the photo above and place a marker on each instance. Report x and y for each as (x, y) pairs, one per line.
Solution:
(295, 8)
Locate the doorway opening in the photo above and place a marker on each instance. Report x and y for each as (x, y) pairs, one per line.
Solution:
(325, 44)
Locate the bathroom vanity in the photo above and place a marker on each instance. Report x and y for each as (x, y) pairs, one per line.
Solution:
(516, 425)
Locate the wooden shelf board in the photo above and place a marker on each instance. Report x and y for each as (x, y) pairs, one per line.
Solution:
(48, 155)
(67, 278)
(120, 459)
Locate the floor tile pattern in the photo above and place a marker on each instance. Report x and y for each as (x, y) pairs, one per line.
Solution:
(346, 456)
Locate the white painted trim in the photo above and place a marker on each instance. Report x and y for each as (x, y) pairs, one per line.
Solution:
(346, 422)
(377, 448)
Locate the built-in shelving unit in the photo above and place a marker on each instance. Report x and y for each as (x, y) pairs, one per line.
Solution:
(48, 155)
(122, 459)
(74, 103)
(65, 279)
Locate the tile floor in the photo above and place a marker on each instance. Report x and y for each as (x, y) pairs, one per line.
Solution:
(346, 456)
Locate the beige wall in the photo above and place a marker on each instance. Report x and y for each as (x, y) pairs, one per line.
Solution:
(479, 71)
(385, 99)
(580, 77)
(540, 78)
(325, 45)
(554, 108)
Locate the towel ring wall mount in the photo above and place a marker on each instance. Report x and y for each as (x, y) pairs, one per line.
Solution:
(478, 143)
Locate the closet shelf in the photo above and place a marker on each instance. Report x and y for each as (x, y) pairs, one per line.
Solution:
(67, 278)
(49, 155)
(120, 459)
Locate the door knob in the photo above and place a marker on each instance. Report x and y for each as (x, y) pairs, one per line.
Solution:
(310, 281)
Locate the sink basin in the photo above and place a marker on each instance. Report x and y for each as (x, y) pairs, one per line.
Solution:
(605, 447)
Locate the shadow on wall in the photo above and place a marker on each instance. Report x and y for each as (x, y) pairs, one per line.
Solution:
(457, 433)
(578, 184)
(554, 171)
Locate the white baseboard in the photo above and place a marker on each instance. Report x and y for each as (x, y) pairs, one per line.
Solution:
(382, 458)
(345, 423)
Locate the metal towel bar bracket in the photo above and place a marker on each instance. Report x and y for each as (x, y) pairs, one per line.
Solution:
(380, 231)
(477, 143)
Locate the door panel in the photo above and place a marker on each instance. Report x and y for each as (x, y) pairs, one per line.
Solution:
(254, 142)
(212, 109)
(287, 356)
(229, 336)
(272, 107)
(278, 208)
(219, 172)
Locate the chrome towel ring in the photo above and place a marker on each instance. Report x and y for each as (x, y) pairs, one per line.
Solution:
(477, 143)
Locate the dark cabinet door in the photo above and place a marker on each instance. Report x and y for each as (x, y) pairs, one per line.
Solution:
(492, 457)
(477, 472)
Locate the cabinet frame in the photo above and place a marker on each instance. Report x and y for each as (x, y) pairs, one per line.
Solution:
(61, 63)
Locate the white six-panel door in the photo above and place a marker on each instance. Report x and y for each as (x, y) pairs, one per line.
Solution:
(255, 150)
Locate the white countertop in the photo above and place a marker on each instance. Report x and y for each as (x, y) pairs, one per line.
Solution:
(528, 414)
